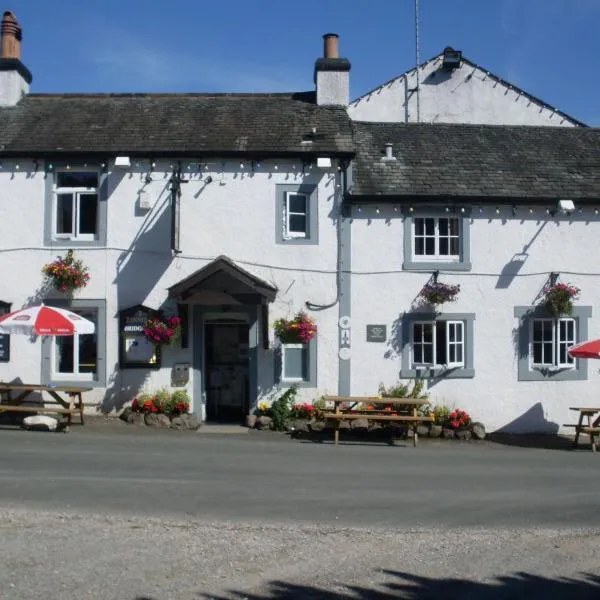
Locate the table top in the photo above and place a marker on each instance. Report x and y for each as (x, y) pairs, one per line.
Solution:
(41, 388)
(377, 400)
(585, 409)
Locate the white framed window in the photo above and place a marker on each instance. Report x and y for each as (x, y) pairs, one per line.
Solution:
(296, 217)
(75, 358)
(436, 238)
(294, 363)
(438, 344)
(76, 205)
(550, 340)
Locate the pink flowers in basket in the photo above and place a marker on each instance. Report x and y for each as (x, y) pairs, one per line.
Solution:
(559, 297)
(299, 330)
(66, 273)
(163, 331)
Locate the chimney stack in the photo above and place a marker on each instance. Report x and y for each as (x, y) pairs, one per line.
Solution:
(14, 75)
(332, 74)
(11, 36)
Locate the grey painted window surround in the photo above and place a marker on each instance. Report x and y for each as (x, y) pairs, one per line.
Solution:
(47, 341)
(464, 262)
(467, 372)
(526, 372)
(49, 237)
(312, 235)
(311, 368)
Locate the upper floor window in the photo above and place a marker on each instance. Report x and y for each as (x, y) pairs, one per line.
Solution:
(75, 205)
(296, 214)
(433, 241)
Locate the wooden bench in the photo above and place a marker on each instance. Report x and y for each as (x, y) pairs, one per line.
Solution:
(408, 406)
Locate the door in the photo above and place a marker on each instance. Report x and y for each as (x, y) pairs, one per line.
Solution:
(227, 370)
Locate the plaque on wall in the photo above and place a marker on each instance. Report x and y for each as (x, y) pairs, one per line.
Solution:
(4, 337)
(376, 333)
(135, 351)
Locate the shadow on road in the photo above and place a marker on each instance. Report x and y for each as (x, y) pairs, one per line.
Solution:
(542, 441)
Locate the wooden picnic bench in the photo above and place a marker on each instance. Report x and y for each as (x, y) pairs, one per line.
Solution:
(405, 409)
(13, 396)
(589, 427)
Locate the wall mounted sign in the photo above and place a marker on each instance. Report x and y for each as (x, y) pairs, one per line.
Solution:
(376, 333)
(135, 351)
(344, 352)
(4, 337)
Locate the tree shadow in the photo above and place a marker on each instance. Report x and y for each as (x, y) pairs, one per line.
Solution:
(516, 586)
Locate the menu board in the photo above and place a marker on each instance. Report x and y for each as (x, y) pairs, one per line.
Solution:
(135, 350)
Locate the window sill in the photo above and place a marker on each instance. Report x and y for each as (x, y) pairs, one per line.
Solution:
(436, 265)
(438, 373)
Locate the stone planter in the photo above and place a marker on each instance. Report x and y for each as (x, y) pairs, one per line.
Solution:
(463, 434)
(423, 430)
(263, 423)
(447, 433)
(251, 421)
(478, 430)
(435, 431)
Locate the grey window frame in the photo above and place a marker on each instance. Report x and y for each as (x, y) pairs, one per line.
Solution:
(50, 236)
(312, 207)
(525, 370)
(456, 372)
(311, 382)
(464, 221)
(48, 341)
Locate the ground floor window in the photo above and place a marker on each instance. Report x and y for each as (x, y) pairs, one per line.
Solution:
(78, 358)
(298, 364)
(440, 342)
(544, 341)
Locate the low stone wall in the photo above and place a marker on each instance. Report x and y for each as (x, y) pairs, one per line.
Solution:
(160, 420)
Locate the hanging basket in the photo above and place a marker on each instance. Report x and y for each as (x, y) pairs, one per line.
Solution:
(558, 298)
(66, 274)
(437, 293)
(162, 331)
(299, 330)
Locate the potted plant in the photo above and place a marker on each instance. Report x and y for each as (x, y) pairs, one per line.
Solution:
(66, 273)
(299, 330)
(436, 292)
(558, 298)
(161, 330)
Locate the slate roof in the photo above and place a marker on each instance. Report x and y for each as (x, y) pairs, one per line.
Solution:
(173, 124)
(476, 161)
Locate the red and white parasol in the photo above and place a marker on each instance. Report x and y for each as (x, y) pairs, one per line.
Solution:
(45, 320)
(589, 349)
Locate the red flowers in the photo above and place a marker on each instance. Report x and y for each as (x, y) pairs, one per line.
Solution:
(459, 418)
(67, 274)
(160, 331)
(299, 330)
(162, 402)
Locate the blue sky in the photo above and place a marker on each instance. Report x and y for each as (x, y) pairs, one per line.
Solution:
(550, 48)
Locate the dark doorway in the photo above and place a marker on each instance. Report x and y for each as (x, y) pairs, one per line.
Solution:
(227, 370)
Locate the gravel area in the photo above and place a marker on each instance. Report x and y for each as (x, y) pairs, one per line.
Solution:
(79, 556)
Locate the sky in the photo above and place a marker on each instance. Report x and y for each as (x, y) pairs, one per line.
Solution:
(549, 48)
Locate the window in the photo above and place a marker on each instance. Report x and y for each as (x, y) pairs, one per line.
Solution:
(77, 359)
(296, 218)
(550, 340)
(75, 205)
(543, 342)
(294, 361)
(296, 215)
(438, 344)
(443, 343)
(297, 364)
(431, 241)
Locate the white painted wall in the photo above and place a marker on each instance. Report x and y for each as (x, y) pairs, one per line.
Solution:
(494, 396)
(12, 88)
(465, 95)
(234, 215)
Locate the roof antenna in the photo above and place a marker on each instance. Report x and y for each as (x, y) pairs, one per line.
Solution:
(418, 59)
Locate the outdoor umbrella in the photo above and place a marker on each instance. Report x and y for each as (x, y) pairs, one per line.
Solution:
(589, 349)
(45, 320)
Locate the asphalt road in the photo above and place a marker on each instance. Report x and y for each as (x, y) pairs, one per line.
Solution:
(269, 478)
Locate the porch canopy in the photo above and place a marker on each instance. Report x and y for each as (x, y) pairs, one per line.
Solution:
(223, 282)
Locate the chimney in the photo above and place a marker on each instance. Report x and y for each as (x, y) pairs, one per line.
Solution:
(14, 75)
(332, 74)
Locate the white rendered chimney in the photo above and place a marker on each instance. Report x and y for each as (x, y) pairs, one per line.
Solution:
(332, 74)
(14, 75)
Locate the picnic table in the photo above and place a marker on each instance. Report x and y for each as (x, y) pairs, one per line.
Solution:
(585, 424)
(14, 395)
(376, 408)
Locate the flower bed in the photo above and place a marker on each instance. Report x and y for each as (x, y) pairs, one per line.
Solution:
(162, 409)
